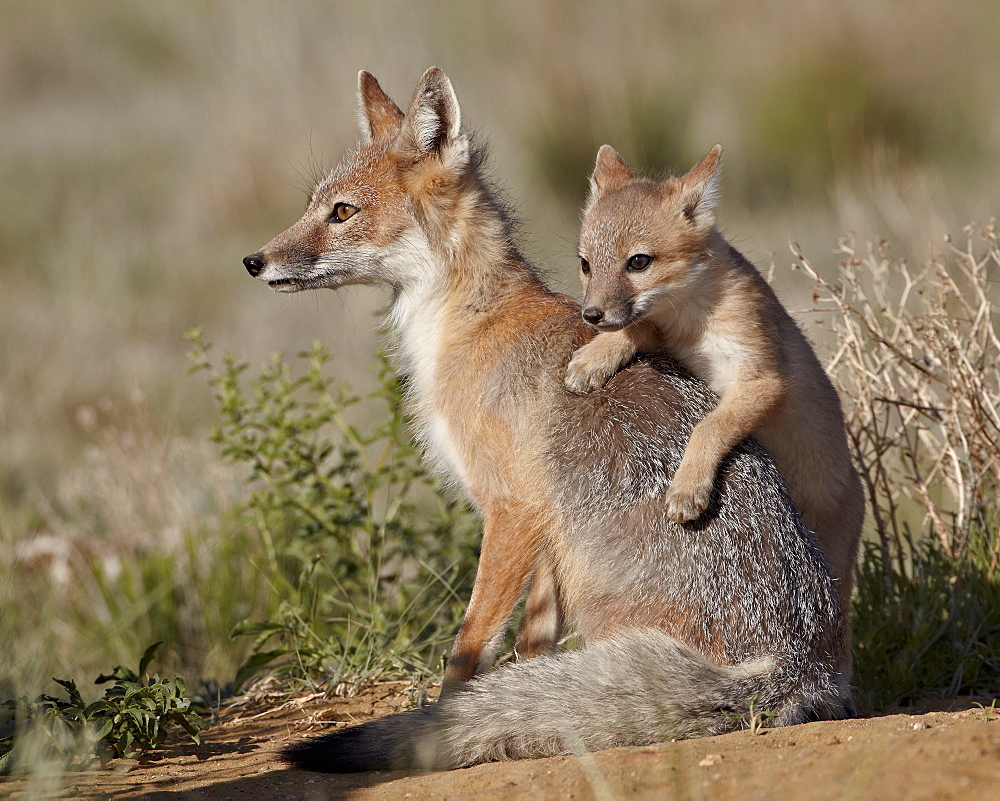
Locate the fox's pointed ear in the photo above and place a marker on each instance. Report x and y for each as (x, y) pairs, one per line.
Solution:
(378, 117)
(610, 173)
(433, 123)
(700, 188)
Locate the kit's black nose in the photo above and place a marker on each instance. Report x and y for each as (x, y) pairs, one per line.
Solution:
(254, 264)
(591, 314)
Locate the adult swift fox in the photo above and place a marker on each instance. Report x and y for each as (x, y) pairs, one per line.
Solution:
(683, 632)
(660, 278)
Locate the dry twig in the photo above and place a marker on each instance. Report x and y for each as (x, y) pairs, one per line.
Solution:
(916, 357)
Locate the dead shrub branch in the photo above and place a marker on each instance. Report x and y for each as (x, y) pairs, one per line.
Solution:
(915, 354)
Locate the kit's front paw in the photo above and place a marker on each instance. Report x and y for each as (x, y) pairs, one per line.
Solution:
(688, 497)
(588, 370)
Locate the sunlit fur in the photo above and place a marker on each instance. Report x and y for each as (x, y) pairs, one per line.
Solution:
(684, 625)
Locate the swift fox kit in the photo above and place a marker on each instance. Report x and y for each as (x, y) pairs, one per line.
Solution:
(659, 278)
(681, 636)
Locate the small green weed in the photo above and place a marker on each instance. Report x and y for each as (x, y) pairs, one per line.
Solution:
(990, 713)
(134, 716)
(754, 718)
(370, 561)
(757, 718)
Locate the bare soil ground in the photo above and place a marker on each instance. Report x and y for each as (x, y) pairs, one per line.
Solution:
(951, 753)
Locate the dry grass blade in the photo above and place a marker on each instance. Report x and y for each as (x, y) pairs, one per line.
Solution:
(916, 357)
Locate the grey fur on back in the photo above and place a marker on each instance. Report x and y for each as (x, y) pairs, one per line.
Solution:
(759, 582)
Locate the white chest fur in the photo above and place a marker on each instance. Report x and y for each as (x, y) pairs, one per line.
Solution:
(717, 359)
(418, 317)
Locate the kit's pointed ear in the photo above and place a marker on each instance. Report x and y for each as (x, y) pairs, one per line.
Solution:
(378, 117)
(610, 173)
(700, 188)
(433, 123)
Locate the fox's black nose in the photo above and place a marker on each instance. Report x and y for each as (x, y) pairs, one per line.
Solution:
(591, 314)
(254, 264)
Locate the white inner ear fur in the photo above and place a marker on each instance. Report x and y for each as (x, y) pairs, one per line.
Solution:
(364, 123)
(709, 192)
(437, 108)
(702, 197)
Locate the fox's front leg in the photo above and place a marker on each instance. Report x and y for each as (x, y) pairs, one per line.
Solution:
(742, 409)
(594, 363)
(509, 552)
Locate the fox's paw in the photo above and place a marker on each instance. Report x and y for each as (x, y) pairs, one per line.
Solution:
(588, 370)
(687, 500)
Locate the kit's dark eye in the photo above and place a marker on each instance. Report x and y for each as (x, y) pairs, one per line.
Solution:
(342, 212)
(584, 266)
(640, 261)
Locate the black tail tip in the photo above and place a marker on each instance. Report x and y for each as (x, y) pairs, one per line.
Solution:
(308, 754)
(389, 743)
(346, 751)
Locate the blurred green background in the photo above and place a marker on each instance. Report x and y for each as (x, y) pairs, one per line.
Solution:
(145, 148)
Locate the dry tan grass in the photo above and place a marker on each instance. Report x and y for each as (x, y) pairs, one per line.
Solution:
(917, 361)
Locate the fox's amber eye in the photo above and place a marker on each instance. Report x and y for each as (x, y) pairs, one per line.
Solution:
(584, 266)
(342, 212)
(640, 261)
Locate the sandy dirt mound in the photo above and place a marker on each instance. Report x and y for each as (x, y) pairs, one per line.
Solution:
(951, 754)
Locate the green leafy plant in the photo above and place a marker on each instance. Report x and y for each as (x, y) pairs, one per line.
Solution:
(134, 716)
(369, 558)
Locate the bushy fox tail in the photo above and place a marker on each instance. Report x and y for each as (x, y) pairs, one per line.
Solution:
(640, 687)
